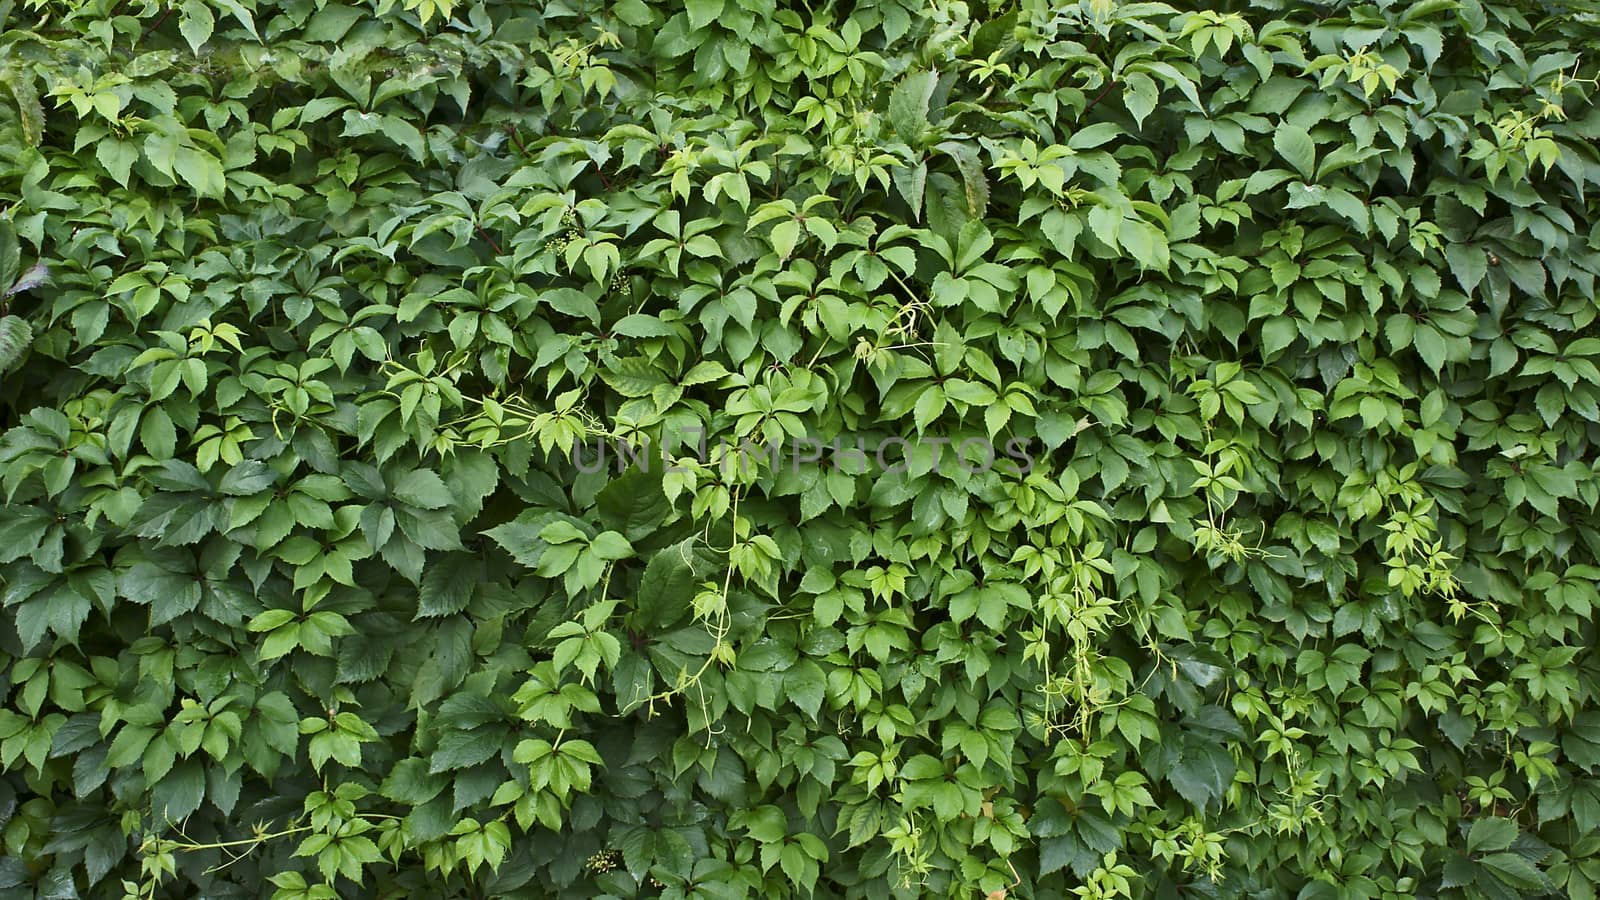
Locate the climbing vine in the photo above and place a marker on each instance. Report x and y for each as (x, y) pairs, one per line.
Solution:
(734, 449)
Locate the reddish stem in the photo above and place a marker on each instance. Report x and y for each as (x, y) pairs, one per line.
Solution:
(485, 235)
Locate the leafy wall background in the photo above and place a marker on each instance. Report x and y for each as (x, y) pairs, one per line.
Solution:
(311, 303)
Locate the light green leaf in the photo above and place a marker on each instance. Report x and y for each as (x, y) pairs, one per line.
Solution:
(195, 23)
(200, 171)
(703, 12)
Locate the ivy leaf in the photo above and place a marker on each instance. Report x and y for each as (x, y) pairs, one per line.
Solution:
(117, 157)
(61, 612)
(199, 170)
(908, 109)
(520, 537)
(633, 502)
(10, 253)
(423, 489)
(1468, 264)
(1064, 851)
(668, 585)
(805, 684)
(1515, 871)
(767, 824)
(461, 749)
(15, 337)
(677, 37)
(195, 23)
(405, 134)
(429, 530)
(572, 302)
(168, 593)
(248, 477)
(1294, 144)
(634, 12)
(640, 325)
(448, 584)
(1140, 95)
(1277, 334)
(1202, 774)
(611, 545)
(177, 795)
(1430, 346)
(1491, 833)
(975, 185)
(703, 12)
(411, 782)
(784, 236)
(157, 434)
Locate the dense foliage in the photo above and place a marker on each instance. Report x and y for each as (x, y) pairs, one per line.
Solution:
(1277, 321)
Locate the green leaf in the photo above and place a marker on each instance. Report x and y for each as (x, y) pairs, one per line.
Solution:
(784, 235)
(975, 186)
(1094, 135)
(248, 477)
(1468, 264)
(460, 750)
(929, 406)
(611, 545)
(30, 113)
(1513, 870)
(633, 12)
(411, 783)
(1491, 833)
(805, 685)
(1430, 346)
(195, 23)
(10, 253)
(422, 488)
(169, 594)
(633, 502)
(15, 337)
(1140, 95)
(520, 536)
(640, 325)
(678, 37)
(572, 302)
(201, 171)
(61, 612)
(1057, 853)
(1277, 334)
(1144, 243)
(703, 12)
(405, 134)
(448, 584)
(1202, 774)
(908, 106)
(1458, 872)
(668, 585)
(767, 824)
(1294, 144)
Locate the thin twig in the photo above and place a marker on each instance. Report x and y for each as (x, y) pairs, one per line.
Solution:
(485, 235)
(517, 139)
(1098, 97)
(153, 26)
